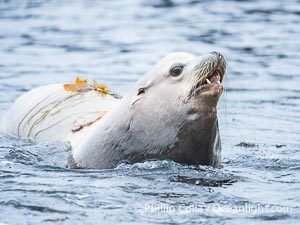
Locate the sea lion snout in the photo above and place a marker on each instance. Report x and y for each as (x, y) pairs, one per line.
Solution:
(206, 79)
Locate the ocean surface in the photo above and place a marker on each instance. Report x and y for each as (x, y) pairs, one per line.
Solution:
(116, 42)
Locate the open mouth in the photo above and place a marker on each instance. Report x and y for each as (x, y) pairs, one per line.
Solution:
(214, 77)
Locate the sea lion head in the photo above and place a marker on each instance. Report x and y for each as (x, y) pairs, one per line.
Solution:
(173, 110)
(184, 78)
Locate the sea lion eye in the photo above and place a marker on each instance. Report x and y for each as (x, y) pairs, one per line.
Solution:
(141, 91)
(176, 69)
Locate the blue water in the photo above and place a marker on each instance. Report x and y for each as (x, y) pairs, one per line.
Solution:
(116, 42)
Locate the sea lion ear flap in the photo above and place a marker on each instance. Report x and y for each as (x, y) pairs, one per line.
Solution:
(139, 96)
(141, 92)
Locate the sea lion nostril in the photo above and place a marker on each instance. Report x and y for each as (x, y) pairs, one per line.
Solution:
(217, 53)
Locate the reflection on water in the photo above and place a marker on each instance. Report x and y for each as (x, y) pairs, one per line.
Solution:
(44, 42)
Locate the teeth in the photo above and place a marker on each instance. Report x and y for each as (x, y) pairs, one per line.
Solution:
(208, 81)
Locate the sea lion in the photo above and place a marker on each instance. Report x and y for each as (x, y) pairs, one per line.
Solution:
(169, 114)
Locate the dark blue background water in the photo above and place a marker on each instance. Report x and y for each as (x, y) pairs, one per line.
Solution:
(44, 42)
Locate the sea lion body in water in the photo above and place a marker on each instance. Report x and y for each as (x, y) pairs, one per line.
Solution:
(169, 114)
